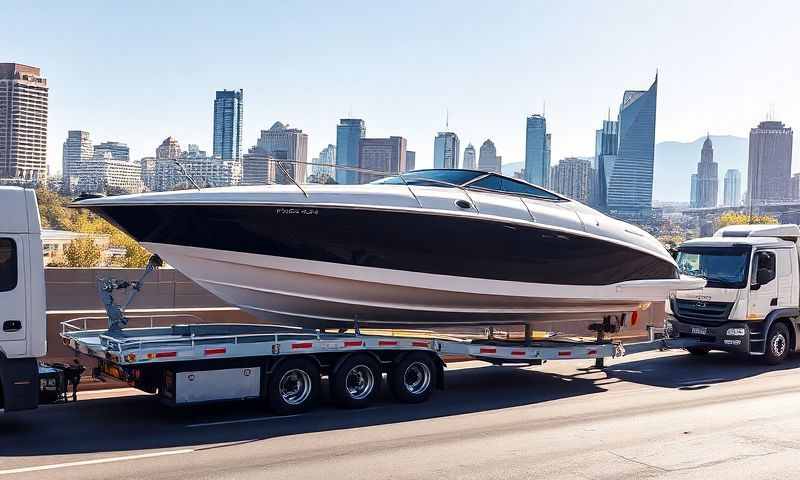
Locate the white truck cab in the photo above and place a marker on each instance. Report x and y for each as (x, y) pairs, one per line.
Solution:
(22, 299)
(751, 301)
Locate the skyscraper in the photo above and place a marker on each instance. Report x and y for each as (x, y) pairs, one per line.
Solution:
(630, 186)
(537, 150)
(228, 114)
(348, 134)
(285, 143)
(169, 149)
(381, 155)
(606, 145)
(327, 157)
(118, 150)
(411, 160)
(707, 176)
(796, 187)
(769, 165)
(469, 158)
(488, 159)
(77, 150)
(571, 177)
(733, 188)
(694, 194)
(23, 123)
(445, 150)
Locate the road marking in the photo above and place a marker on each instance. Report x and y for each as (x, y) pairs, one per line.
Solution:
(241, 420)
(93, 462)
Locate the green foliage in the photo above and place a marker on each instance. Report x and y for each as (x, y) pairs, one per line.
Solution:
(736, 218)
(54, 213)
(82, 252)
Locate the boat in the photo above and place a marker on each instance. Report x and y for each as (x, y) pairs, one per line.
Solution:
(436, 247)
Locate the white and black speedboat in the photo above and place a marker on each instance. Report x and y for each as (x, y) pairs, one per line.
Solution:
(430, 247)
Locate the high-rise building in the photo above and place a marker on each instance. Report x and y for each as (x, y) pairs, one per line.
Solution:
(284, 143)
(118, 150)
(707, 176)
(605, 155)
(694, 194)
(228, 114)
(733, 188)
(796, 187)
(469, 158)
(630, 185)
(386, 155)
(169, 149)
(324, 163)
(488, 159)
(537, 150)
(349, 133)
(23, 123)
(769, 165)
(104, 173)
(445, 150)
(77, 149)
(572, 177)
(411, 160)
(196, 166)
(258, 168)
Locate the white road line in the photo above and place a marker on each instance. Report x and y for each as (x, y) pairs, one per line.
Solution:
(241, 420)
(93, 462)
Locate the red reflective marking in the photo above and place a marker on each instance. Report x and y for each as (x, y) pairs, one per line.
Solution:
(565, 354)
(634, 317)
(420, 344)
(353, 343)
(386, 343)
(517, 352)
(301, 345)
(592, 352)
(166, 354)
(215, 351)
(488, 350)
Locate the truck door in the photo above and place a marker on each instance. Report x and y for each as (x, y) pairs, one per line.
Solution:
(12, 289)
(763, 285)
(783, 261)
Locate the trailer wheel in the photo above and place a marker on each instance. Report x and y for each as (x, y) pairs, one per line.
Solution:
(357, 381)
(698, 350)
(293, 386)
(413, 378)
(777, 345)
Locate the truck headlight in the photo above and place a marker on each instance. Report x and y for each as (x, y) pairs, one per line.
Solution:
(672, 296)
(735, 332)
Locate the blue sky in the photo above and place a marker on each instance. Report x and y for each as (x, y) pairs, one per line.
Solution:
(140, 71)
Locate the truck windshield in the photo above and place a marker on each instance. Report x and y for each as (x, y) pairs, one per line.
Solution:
(722, 267)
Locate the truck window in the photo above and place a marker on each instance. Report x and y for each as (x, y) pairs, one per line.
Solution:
(8, 265)
(765, 267)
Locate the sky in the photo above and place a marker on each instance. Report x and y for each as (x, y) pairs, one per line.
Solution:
(138, 72)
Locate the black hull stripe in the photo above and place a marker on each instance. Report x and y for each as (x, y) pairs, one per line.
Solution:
(398, 240)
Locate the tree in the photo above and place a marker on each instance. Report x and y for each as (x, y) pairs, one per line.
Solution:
(82, 252)
(736, 218)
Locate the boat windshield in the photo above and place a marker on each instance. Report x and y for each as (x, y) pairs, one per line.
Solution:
(434, 177)
(721, 267)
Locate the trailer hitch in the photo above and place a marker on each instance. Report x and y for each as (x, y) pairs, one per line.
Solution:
(106, 287)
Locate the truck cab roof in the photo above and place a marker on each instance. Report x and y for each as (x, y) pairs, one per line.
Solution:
(23, 211)
(715, 241)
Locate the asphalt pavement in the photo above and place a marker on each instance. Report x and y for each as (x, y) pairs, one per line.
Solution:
(655, 415)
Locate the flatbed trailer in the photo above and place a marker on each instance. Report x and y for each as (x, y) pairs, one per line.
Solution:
(196, 363)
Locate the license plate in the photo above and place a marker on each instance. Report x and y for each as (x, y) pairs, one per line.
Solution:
(699, 331)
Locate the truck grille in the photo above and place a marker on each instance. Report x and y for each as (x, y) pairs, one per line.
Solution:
(698, 310)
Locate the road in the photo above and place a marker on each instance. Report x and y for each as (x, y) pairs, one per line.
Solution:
(656, 415)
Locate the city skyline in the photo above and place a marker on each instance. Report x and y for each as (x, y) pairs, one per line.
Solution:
(410, 103)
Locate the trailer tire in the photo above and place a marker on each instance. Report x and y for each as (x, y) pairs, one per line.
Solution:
(293, 386)
(698, 351)
(356, 382)
(776, 347)
(413, 378)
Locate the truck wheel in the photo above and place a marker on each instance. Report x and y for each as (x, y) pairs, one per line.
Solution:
(357, 381)
(293, 386)
(698, 350)
(413, 378)
(777, 345)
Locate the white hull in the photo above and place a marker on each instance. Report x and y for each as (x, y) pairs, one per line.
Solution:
(320, 294)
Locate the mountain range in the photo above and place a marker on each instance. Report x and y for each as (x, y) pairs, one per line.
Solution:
(675, 162)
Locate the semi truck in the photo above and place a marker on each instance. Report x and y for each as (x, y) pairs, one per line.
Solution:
(185, 361)
(751, 301)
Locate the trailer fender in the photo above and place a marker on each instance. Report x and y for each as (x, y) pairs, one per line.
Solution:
(786, 315)
(344, 357)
